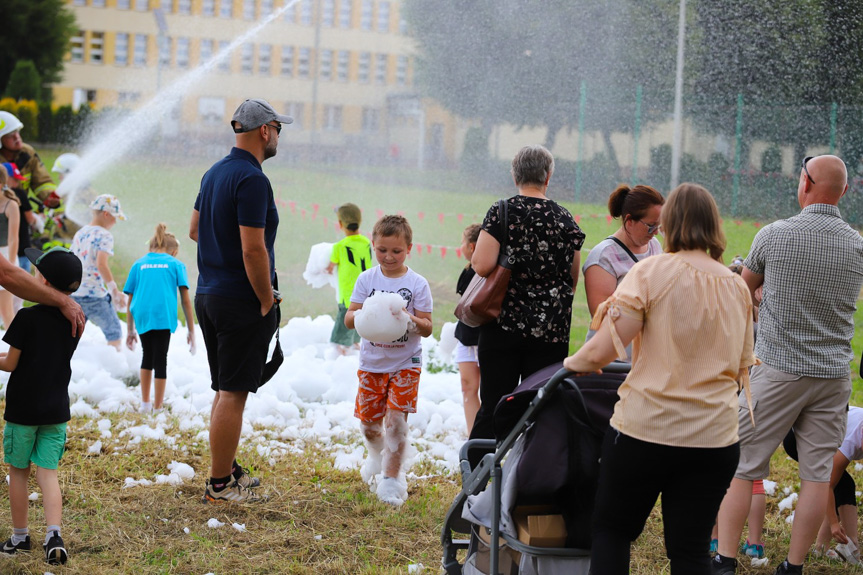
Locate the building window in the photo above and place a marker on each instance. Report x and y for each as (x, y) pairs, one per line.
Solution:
(182, 52)
(366, 15)
(295, 111)
(306, 12)
(381, 69)
(121, 49)
(328, 16)
(141, 5)
(403, 27)
(342, 66)
(125, 98)
(123, 4)
(79, 2)
(402, 70)
(326, 71)
(226, 9)
(345, 10)
(140, 53)
(208, 7)
(98, 4)
(266, 8)
(247, 56)
(184, 7)
(206, 50)
(97, 47)
(287, 68)
(265, 52)
(303, 62)
(383, 17)
(164, 51)
(363, 66)
(371, 120)
(248, 9)
(77, 47)
(225, 62)
(332, 118)
(211, 111)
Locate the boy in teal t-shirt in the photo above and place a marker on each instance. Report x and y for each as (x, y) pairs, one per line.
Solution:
(353, 255)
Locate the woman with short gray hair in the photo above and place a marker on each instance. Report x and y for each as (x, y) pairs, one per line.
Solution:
(544, 241)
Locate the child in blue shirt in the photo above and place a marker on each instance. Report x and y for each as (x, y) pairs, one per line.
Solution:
(152, 307)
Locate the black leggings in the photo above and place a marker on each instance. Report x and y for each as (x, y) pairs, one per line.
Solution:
(504, 359)
(844, 492)
(154, 344)
(633, 473)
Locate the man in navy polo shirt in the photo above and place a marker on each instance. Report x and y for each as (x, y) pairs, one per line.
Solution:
(234, 223)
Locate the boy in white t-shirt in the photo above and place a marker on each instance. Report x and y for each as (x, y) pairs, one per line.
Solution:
(389, 373)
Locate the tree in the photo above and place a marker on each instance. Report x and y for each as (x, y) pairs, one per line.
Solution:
(37, 30)
(523, 62)
(24, 83)
(798, 55)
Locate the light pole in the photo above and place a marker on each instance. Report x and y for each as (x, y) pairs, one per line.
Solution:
(678, 99)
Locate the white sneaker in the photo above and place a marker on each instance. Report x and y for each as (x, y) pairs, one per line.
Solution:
(146, 407)
(848, 552)
(392, 491)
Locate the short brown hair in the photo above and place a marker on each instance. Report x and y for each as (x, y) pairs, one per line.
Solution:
(532, 165)
(471, 233)
(633, 202)
(389, 226)
(690, 221)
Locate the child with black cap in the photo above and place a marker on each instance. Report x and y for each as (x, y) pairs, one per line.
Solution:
(37, 401)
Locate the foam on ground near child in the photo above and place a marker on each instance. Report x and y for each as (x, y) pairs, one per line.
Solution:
(309, 401)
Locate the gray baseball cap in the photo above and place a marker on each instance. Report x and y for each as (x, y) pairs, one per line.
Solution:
(254, 113)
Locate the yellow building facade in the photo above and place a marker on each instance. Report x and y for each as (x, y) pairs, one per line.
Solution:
(342, 68)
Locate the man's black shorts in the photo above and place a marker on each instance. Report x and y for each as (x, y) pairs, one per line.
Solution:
(237, 340)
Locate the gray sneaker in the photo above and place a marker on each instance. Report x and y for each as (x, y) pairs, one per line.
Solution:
(720, 565)
(232, 493)
(242, 477)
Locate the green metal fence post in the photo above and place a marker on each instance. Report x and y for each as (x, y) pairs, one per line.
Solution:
(738, 148)
(635, 135)
(581, 105)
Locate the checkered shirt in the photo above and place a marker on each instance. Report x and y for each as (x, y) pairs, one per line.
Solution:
(813, 271)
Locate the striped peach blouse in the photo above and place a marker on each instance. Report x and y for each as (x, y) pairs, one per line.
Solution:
(696, 335)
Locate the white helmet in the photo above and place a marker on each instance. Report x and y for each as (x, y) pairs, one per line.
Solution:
(65, 163)
(9, 123)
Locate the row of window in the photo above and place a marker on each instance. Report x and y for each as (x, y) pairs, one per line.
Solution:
(332, 14)
(293, 62)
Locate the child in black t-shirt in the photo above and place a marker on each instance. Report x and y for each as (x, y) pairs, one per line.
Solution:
(37, 401)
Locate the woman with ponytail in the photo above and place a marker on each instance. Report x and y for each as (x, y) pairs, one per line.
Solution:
(152, 287)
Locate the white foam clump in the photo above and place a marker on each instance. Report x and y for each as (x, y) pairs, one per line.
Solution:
(179, 473)
(214, 523)
(788, 502)
(95, 449)
(382, 318)
(447, 342)
(769, 487)
(34, 496)
(316, 266)
(241, 527)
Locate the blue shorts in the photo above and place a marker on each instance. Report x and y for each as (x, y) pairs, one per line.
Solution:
(100, 311)
(24, 263)
(42, 444)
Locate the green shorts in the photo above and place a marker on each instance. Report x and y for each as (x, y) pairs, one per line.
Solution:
(42, 444)
(341, 334)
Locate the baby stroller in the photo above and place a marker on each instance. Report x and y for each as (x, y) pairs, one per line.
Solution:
(537, 506)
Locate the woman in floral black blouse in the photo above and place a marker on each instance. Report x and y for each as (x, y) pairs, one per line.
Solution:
(533, 328)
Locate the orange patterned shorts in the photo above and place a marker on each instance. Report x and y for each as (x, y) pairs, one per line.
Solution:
(381, 391)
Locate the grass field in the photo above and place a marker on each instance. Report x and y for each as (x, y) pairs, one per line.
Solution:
(318, 520)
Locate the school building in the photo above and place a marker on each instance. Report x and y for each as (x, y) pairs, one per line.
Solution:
(344, 69)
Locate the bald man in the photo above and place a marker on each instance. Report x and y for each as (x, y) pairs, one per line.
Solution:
(235, 222)
(810, 267)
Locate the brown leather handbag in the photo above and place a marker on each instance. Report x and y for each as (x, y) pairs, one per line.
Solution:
(482, 300)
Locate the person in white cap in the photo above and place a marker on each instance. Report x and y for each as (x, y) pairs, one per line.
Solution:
(37, 180)
(234, 222)
(94, 244)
